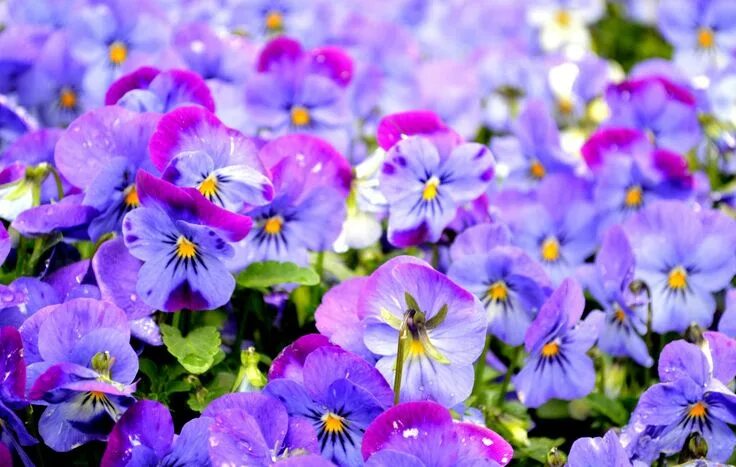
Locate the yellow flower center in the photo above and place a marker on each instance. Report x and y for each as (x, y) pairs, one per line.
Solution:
(563, 18)
(697, 410)
(430, 189)
(185, 248)
(550, 349)
(273, 225)
(498, 292)
(550, 249)
(706, 38)
(634, 197)
(537, 170)
(416, 349)
(67, 99)
(130, 197)
(620, 315)
(565, 106)
(274, 21)
(333, 423)
(677, 279)
(208, 187)
(117, 53)
(300, 116)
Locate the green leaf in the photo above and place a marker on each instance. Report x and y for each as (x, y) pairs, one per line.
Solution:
(538, 448)
(611, 408)
(270, 273)
(554, 409)
(196, 352)
(301, 297)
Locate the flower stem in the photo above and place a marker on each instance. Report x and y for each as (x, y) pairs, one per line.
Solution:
(480, 367)
(507, 377)
(403, 340)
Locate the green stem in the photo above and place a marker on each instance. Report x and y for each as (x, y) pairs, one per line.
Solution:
(507, 377)
(403, 340)
(319, 265)
(36, 193)
(35, 255)
(480, 367)
(254, 301)
(21, 256)
(100, 241)
(59, 184)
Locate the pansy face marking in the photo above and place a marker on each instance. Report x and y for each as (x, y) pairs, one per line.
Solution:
(130, 197)
(274, 21)
(300, 116)
(537, 170)
(497, 292)
(414, 331)
(634, 197)
(706, 38)
(333, 427)
(117, 53)
(67, 99)
(184, 252)
(677, 279)
(550, 249)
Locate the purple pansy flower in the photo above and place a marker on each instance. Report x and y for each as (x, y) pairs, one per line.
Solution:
(340, 394)
(192, 148)
(311, 183)
(299, 91)
(423, 434)
(630, 173)
(13, 433)
(14, 121)
(557, 342)
(555, 224)
(703, 33)
(533, 151)
(182, 240)
(427, 175)
(20, 45)
(690, 398)
(337, 317)
(442, 327)
(290, 361)
(727, 324)
(144, 435)
(665, 110)
(255, 429)
(53, 87)
(116, 272)
(82, 367)
(591, 452)
(112, 36)
(609, 281)
(683, 254)
(100, 153)
(510, 284)
(151, 90)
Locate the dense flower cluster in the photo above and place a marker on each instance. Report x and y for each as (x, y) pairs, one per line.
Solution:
(387, 233)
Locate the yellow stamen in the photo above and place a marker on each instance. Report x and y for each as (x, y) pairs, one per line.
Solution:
(416, 348)
(185, 248)
(634, 197)
(333, 423)
(537, 170)
(117, 53)
(563, 18)
(300, 116)
(697, 410)
(565, 105)
(208, 187)
(498, 292)
(677, 279)
(550, 249)
(67, 98)
(274, 21)
(706, 38)
(430, 189)
(620, 315)
(273, 225)
(550, 349)
(130, 197)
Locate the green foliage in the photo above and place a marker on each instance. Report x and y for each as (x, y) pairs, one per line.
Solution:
(163, 381)
(221, 384)
(271, 273)
(198, 351)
